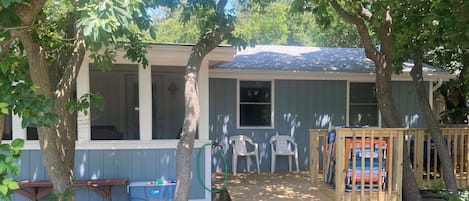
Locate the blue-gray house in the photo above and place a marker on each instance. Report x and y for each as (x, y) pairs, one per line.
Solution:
(306, 87)
(258, 92)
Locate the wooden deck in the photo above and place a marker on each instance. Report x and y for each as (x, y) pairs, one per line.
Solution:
(311, 186)
(278, 186)
(343, 157)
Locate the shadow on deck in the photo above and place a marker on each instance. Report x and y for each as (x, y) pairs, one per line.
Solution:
(277, 186)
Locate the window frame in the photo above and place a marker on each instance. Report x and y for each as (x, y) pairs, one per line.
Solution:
(121, 72)
(349, 105)
(272, 104)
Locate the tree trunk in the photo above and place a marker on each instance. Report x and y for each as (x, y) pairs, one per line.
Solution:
(391, 118)
(464, 76)
(191, 102)
(192, 113)
(432, 124)
(383, 66)
(57, 142)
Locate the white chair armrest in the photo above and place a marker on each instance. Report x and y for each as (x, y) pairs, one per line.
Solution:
(250, 141)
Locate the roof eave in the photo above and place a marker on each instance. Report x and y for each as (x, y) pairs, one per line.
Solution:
(317, 75)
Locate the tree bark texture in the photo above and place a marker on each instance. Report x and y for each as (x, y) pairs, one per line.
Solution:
(432, 124)
(192, 113)
(465, 78)
(192, 106)
(58, 141)
(383, 66)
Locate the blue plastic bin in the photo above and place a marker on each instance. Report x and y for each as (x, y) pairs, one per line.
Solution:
(142, 191)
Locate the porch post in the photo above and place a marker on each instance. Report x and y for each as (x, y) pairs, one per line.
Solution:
(83, 87)
(203, 99)
(144, 101)
(17, 130)
(430, 94)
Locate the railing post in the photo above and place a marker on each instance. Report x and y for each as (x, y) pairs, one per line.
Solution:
(419, 151)
(314, 155)
(400, 157)
(339, 166)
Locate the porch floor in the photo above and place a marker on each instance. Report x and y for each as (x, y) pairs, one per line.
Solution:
(278, 186)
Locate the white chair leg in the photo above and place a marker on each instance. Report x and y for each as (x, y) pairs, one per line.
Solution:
(234, 165)
(257, 162)
(272, 168)
(289, 163)
(297, 167)
(248, 163)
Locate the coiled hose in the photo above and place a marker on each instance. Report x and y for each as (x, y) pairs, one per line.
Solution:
(225, 177)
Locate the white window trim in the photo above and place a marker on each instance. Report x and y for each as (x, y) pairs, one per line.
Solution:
(272, 105)
(347, 113)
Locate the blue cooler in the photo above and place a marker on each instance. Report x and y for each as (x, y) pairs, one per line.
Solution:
(144, 191)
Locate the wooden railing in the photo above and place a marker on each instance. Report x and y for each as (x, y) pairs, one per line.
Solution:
(425, 160)
(317, 153)
(347, 162)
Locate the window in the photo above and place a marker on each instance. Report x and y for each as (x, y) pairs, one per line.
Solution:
(363, 104)
(255, 104)
(7, 127)
(119, 88)
(167, 101)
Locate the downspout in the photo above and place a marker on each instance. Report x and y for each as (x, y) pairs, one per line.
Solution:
(433, 88)
(437, 85)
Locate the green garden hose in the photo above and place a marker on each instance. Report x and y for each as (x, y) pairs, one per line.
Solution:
(225, 177)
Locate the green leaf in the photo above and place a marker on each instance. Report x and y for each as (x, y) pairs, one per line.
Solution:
(5, 66)
(17, 143)
(123, 12)
(4, 110)
(102, 6)
(3, 167)
(6, 3)
(6, 181)
(4, 189)
(3, 104)
(4, 147)
(88, 28)
(153, 32)
(13, 185)
(9, 159)
(106, 27)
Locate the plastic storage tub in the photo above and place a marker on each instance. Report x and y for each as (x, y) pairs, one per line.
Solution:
(145, 191)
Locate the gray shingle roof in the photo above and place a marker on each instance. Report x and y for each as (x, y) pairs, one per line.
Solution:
(306, 59)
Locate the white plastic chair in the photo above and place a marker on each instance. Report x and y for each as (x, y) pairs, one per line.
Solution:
(283, 145)
(240, 149)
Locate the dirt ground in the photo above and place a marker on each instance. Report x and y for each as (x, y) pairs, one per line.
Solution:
(278, 186)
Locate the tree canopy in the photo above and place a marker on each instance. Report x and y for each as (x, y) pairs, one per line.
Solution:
(273, 24)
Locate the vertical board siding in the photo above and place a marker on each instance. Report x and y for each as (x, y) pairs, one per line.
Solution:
(405, 97)
(222, 118)
(299, 106)
(136, 165)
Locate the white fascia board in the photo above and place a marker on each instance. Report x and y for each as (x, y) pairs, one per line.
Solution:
(120, 144)
(288, 75)
(177, 55)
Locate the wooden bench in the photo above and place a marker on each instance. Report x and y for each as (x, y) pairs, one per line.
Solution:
(36, 190)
